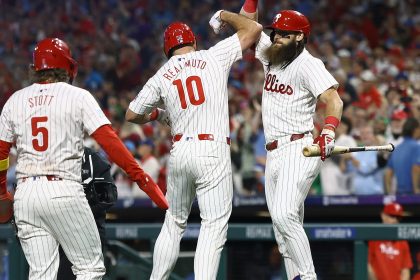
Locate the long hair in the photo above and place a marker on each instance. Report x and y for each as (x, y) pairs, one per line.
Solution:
(50, 75)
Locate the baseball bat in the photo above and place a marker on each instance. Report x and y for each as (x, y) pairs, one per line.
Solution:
(315, 151)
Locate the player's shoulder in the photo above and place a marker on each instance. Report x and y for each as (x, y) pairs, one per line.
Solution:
(73, 89)
(308, 58)
(306, 61)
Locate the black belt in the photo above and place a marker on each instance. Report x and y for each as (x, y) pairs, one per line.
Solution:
(273, 145)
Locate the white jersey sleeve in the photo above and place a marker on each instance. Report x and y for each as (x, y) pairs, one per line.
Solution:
(315, 77)
(147, 99)
(6, 127)
(263, 43)
(92, 115)
(227, 51)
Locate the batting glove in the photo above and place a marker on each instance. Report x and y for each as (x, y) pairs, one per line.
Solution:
(216, 22)
(161, 116)
(326, 142)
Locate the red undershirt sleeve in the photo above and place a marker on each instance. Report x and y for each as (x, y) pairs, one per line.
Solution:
(106, 137)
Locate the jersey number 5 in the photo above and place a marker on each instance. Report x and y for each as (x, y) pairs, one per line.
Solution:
(36, 129)
(195, 99)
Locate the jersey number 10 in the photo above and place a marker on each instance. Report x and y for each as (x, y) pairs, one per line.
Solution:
(194, 99)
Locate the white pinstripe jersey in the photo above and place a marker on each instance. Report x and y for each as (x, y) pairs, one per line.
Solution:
(48, 121)
(290, 94)
(193, 88)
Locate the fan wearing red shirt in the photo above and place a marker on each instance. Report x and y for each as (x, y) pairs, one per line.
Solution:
(390, 260)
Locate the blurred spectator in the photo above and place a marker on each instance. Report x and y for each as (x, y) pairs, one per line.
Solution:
(333, 180)
(118, 46)
(404, 162)
(366, 169)
(148, 162)
(394, 134)
(243, 157)
(389, 260)
(368, 96)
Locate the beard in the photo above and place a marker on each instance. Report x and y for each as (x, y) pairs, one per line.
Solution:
(283, 54)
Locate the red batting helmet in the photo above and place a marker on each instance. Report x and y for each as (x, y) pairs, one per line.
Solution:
(52, 53)
(177, 34)
(289, 20)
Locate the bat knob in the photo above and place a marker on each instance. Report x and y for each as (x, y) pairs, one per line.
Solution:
(393, 147)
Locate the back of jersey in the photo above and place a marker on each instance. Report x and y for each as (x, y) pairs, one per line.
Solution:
(48, 121)
(193, 87)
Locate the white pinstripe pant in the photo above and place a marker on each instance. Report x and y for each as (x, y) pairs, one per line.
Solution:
(201, 168)
(289, 175)
(49, 213)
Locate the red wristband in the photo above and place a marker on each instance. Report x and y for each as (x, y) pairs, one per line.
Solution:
(154, 114)
(332, 121)
(250, 6)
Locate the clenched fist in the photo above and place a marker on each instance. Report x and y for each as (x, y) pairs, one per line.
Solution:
(161, 116)
(216, 22)
(326, 142)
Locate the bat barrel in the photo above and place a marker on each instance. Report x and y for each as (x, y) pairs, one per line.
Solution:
(314, 150)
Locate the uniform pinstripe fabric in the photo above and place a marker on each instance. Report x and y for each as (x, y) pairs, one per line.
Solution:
(199, 168)
(70, 112)
(196, 168)
(285, 114)
(49, 213)
(288, 106)
(289, 176)
(212, 66)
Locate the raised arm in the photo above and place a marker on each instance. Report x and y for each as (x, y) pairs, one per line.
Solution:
(248, 30)
(250, 9)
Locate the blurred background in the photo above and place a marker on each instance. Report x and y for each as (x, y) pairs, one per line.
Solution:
(372, 47)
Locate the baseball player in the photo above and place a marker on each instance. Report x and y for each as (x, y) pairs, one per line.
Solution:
(192, 85)
(47, 121)
(101, 194)
(294, 82)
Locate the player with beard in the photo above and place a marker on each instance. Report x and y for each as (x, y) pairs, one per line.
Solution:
(294, 82)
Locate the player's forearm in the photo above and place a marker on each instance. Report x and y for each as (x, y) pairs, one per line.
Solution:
(250, 9)
(4, 165)
(334, 104)
(132, 117)
(415, 176)
(248, 30)
(405, 274)
(117, 152)
(241, 23)
(371, 273)
(388, 181)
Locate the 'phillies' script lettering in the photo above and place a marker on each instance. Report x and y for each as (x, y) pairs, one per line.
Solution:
(272, 85)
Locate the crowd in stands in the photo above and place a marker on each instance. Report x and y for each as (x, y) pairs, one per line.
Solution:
(372, 48)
